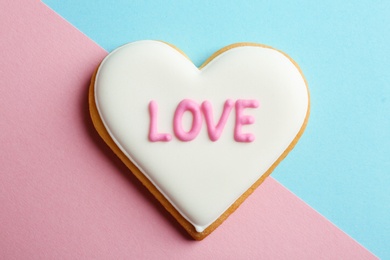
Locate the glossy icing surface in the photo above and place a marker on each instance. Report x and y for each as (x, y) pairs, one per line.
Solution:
(172, 144)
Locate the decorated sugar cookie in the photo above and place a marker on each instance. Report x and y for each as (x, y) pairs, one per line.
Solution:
(200, 139)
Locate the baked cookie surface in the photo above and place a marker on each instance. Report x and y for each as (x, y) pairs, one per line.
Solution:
(200, 139)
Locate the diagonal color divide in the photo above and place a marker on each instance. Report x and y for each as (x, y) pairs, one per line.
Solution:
(341, 165)
(63, 195)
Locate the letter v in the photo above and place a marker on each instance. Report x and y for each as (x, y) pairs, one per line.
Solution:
(216, 131)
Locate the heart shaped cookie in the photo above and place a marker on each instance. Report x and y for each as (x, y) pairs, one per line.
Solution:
(200, 139)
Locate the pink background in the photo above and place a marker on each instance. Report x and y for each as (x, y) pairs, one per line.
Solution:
(63, 194)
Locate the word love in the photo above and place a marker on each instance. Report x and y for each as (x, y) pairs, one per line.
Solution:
(214, 130)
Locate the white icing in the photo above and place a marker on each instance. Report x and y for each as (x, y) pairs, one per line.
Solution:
(200, 178)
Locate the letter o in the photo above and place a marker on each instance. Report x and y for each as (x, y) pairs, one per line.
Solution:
(194, 108)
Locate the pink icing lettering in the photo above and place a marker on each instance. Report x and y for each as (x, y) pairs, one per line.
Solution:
(154, 136)
(194, 108)
(215, 131)
(242, 119)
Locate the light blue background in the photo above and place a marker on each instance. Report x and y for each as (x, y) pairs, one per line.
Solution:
(341, 166)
